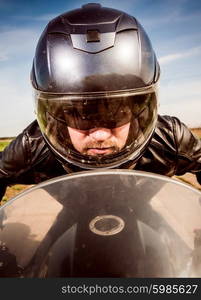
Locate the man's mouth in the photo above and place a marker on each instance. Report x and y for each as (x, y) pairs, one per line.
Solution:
(98, 151)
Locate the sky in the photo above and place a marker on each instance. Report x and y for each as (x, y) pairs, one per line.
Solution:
(174, 28)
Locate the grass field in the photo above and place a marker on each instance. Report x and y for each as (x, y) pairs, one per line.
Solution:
(197, 132)
(4, 143)
(16, 189)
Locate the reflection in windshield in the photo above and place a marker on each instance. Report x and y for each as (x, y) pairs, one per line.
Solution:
(102, 224)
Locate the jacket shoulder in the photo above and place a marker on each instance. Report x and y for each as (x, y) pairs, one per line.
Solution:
(173, 148)
(186, 143)
(23, 151)
(164, 135)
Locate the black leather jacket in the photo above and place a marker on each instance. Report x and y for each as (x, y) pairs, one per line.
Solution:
(173, 150)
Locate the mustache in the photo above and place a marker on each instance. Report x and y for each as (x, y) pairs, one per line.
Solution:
(101, 145)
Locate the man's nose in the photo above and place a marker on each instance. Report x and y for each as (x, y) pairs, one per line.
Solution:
(100, 134)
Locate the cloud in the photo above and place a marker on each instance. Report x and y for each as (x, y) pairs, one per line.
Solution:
(150, 22)
(44, 17)
(176, 17)
(181, 90)
(188, 111)
(182, 99)
(3, 57)
(171, 57)
(16, 99)
(17, 42)
(16, 53)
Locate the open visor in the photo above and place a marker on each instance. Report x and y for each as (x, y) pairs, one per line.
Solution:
(57, 113)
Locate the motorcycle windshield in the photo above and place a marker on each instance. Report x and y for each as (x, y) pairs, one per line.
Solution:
(108, 223)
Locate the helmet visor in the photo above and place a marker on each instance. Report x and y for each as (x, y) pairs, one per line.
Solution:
(58, 115)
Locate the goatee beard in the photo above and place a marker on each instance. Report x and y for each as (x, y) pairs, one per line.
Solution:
(101, 145)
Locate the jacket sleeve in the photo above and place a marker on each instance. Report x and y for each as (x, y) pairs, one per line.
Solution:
(198, 175)
(2, 183)
(12, 161)
(15, 161)
(27, 160)
(188, 148)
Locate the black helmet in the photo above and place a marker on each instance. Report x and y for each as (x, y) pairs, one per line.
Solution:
(94, 68)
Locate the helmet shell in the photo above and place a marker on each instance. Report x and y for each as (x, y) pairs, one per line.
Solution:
(93, 49)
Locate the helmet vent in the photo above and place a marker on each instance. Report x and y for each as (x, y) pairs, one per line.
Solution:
(93, 36)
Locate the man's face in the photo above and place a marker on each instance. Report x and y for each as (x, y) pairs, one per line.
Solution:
(99, 141)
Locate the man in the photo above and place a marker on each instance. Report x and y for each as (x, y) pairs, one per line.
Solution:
(95, 78)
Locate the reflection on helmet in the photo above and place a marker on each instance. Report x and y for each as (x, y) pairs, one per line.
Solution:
(99, 73)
